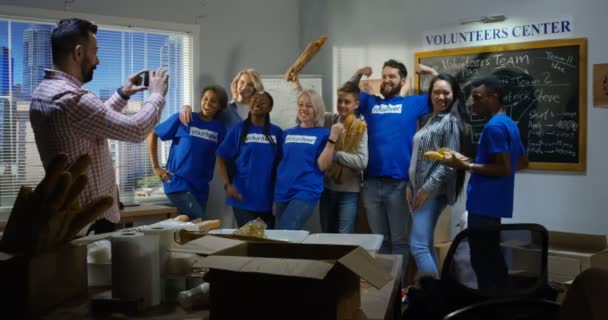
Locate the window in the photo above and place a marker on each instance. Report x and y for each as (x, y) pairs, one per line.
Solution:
(25, 51)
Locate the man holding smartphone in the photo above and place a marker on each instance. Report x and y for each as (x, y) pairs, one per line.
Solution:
(67, 118)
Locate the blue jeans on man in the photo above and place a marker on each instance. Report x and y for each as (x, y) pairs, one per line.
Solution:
(293, 214)
(186, 203)
(423, 231)
(338, 211)
(388, 214)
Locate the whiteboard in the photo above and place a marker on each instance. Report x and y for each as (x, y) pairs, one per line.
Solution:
(285, 104)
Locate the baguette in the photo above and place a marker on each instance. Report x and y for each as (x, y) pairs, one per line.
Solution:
(182, 218)
(306, 55)
(209, 225)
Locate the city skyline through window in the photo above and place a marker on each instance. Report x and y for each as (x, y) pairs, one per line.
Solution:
(25, 51)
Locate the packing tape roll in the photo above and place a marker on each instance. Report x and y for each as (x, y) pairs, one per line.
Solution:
(135, 268)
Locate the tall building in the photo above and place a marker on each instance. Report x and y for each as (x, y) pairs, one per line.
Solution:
(36, 56)
(6, 71)
(8, 165)
(7, 114)
(171, 57)
(29, 165)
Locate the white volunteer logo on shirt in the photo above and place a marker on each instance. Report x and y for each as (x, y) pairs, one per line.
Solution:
(204, 134)
(295, 138)
(259, 138)
(386, 108)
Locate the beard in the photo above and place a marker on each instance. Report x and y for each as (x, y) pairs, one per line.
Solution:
(87, 72)
(390, 93)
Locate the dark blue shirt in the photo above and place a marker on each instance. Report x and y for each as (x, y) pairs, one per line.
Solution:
(255, 161)
(391, 124)
(192, 155)
(298, 174)
(493, 196)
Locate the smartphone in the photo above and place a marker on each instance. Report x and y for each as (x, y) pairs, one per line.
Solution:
(145, 79)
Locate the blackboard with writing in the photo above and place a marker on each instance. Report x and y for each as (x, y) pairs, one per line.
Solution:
(544, 92)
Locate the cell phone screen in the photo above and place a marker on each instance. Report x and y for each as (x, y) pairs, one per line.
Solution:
(145, 79)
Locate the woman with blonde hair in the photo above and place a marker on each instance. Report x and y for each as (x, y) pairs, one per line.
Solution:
(244, 85)
(307, 151)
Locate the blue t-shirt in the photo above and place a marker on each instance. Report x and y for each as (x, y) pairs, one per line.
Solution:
(298, 175)
(255, 161)
(192, 154)
(391, 125)
(493, 196)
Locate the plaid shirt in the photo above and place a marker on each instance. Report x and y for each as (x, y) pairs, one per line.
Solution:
(69, 119)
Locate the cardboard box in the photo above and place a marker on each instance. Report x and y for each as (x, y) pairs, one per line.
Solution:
(286, 280)
(33, 285)
(572, 253)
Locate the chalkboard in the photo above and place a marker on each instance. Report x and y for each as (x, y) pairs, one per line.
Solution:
(283, 113)
(544, 93)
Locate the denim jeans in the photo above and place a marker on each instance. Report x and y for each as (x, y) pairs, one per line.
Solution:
(338, 211)
(293, 214)
(424, 221)
(243, 216)
(388, 214)
(186, 203)
(487, 259)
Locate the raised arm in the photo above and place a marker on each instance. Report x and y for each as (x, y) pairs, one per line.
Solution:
(92, 118)
(365, 71)
(325, 159)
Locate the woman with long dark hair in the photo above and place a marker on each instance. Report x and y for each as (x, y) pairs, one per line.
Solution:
(253, 146)
(433, 185)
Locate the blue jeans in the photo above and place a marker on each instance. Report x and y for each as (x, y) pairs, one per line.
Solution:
(388, 214)
(293, 214)
(423, 230)
(487, 259)
(338, 211)
(186, 203)
(243, 216)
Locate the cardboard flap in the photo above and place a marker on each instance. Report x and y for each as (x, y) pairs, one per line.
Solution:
(313, 269)
(207, 245)
(360, 262)
(92, 238)
(567, 241)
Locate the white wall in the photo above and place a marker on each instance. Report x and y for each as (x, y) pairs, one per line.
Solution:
(559, 200)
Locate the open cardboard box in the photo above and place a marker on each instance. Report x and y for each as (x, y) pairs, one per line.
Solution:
(285, 280)
(572, 253)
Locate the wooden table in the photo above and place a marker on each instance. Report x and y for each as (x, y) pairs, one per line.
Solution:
(129, 215)
(384, 303)
(146, 212)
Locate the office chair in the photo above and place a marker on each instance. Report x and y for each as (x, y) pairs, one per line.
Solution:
(508, 309)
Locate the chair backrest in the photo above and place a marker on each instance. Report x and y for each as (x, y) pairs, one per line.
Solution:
(499, 261)
(508, 309)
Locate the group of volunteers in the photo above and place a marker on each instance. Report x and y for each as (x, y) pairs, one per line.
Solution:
(373, 146)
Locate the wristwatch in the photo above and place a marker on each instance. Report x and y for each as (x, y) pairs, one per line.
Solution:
(331, 141)
(470, 167)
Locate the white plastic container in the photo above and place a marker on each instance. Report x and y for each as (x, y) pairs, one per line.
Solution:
(295, 236)
(370, 242)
